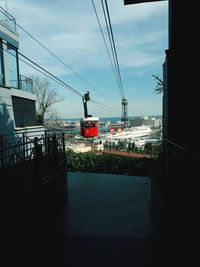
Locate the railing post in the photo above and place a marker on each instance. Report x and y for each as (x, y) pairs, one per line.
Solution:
(35, 146)
(49, 153)
(2, 150)
(55, 149)
(36, 163)
(23, 145)
(63, 143)
(45, 142)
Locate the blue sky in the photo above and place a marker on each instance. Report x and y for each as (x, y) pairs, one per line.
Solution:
(70, 30)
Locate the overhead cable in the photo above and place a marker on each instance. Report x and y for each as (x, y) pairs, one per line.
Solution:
(114, 71)
(112, 48)
(50, 75)
(113, 43)
(67, 66)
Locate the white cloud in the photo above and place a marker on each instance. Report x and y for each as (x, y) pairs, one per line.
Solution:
(73, 34)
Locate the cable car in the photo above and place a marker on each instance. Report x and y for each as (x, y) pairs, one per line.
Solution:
(89, 125)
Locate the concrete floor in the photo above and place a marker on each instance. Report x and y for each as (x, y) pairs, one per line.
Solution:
(109, 221)
(106, 222)
(109, 205)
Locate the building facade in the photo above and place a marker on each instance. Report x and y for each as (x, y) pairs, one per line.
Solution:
(30, 155)
(176, 180)
(154, 122)
(17, 101)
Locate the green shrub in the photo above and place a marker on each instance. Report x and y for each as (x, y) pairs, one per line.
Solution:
(106, 163)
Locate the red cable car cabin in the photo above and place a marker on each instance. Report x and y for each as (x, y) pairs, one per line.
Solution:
(89, 126)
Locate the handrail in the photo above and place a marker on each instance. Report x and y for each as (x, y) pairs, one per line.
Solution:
(182, 148)
(32, 131)
(24, 146)
(25, 83)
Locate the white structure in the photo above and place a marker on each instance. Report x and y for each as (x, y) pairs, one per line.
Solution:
(128, 133)
(17, 101)
(81, 147)
(146, 120)
(97, 147)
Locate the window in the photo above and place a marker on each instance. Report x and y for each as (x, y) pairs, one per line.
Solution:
(24, 112)
(87, 124)
(2, 77)
(93, 124)
(13, 73)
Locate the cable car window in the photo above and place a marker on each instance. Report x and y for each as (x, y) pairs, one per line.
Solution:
(93, 124)
(87, 125)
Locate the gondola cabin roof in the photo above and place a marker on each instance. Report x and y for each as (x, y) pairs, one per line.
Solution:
(90, 119)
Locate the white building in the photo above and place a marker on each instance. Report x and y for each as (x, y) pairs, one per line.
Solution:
(80, 147)
(17, 101)
(146, 120)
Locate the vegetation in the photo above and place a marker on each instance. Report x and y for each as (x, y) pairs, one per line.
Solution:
(153, 149)
(149, 148)
(46, 98)
(159, 85)
(113, 164)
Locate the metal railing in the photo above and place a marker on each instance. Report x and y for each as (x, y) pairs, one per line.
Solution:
(177, 151)
(18, 147)
(176, 165)
(25, 84)
(28, 161)
(176, 161)
(7, 19)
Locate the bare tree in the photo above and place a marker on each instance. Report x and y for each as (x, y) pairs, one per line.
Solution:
(46, 97)
(52, 120)
(159, 85)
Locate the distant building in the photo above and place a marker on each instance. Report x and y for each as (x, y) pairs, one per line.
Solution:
(148, 121)
(97, 147)
(138, 121)
(153, 121)
(80, 147)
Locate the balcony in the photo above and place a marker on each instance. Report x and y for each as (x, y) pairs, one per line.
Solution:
(25, 84)
(7, 19)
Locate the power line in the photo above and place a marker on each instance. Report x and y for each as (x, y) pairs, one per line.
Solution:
(59, 80)
(67, 66)
(48, 74)
(69, 87)
(115, 68)
(105, 42)
(100, 105)
(114, 47)
(63, 84)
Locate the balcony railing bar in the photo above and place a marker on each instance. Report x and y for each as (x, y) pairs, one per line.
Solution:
(7, 19)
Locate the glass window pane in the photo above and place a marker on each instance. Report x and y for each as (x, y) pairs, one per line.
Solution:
(2, 77)
(12, 67)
